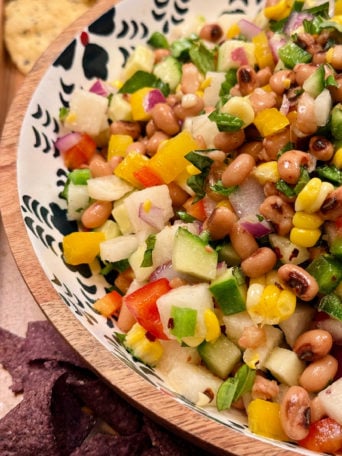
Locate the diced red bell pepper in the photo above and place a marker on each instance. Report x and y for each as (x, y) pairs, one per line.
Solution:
(325, 436)
(147, 177)
(81, 153)
(143, 305)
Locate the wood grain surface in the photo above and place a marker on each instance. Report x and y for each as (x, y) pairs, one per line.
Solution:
(192, 425)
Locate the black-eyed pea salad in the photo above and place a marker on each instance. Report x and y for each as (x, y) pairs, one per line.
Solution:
(208, 179)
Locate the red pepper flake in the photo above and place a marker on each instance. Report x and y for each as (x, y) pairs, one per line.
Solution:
(170, 323)
(150, 336)
(84, 38)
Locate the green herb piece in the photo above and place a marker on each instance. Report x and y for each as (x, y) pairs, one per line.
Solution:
(304, 178)
(225, 121)
(291, 54)
(158, 41)
(120, 337)
(185, 216)
(180, 49)
(198, 182)
(142, 79)
(331, 81)
(63, 113)
(336, 121)
(183, 321)
(229, 82)
(119, 266)
(202, 57)
(327, 270)
(313, 27)
(285, 188)
(219, 188)
(234, 387)
(330, 173)
(150, 244)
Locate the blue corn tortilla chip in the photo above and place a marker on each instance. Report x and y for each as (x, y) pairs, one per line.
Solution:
(106, 445)
(109, 406)
(13, 358)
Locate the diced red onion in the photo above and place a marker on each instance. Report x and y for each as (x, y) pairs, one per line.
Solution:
(248, 28)
(295, 21)
(209, 205)
(153, 217)
(239, 55)
(153, 97)
(257, 228)
(167, 271)
(285, 105)
(100, 88)
(247, 198)
(276, 42)
(67, 141)
(333, 326)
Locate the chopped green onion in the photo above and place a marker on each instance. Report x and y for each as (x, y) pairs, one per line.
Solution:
(291, 54)
(150, 244)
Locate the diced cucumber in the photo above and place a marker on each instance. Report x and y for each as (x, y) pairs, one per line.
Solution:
(230, 291)
(228, 54)
(78, 200)
(284, 365)
(336, 121)
(191, 255)
(169, 71)
(314, 84)
(327, 270)
(332, 305)
(298, 323)
(227, 254)
(221, 356)
(287, 251)
(119, 108)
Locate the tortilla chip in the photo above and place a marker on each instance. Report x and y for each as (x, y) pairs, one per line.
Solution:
(13, 358)
(32, 25)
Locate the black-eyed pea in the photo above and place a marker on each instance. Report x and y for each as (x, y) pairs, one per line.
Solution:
(191, 78)
(303, 284)
(137, 147)
(154, 142)
(290, 164)
(318, 374)
(302, 71)
(281, 80)
(274, 143)
(96, 214)
(246, 78)
(211, 32)
(98, 166)
(122, 127)
(277, 211)
(317, 409)
(295, 413)
(242, 241)
(177, 194)
(238, 170)
(263, 76)
(313, 344)
(331, 208)
(220, 222)
(259, 262)
(165, 119)
(229, 141)
(321, 148)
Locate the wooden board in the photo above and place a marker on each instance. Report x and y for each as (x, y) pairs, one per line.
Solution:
(189, 424)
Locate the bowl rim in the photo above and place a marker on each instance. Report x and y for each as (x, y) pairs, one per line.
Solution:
(189, 424)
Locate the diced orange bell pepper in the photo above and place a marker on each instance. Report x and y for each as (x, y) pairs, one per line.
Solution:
(270, 121)
(263, 53)
(170, 161)
(196, 210)
(130, 164)
(109, 304)
(82, 247)
(147, 177)
(118, 145)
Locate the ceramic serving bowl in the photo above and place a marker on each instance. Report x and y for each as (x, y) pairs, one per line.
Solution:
(34, 215)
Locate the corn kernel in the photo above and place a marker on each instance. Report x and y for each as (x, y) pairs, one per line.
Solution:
(234, 30)
(337, 158)
(206, 83)
(304, 237)
(278, 11)
(241, 108)
(267, 172)
(212, 325)
(308, 195)
(307, 221)
(148, 351)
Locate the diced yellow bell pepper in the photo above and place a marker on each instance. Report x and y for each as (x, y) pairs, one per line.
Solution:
(278, 11)
(233, 31)
(270, 121)
(118, 145)
(337, 158)
(129, 165)
(138, 104)
(263, 53)
(170, 161)
(264, 419)
(82, 247)
(338, 7)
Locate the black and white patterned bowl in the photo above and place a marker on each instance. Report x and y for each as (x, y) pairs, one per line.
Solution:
(98, 51)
